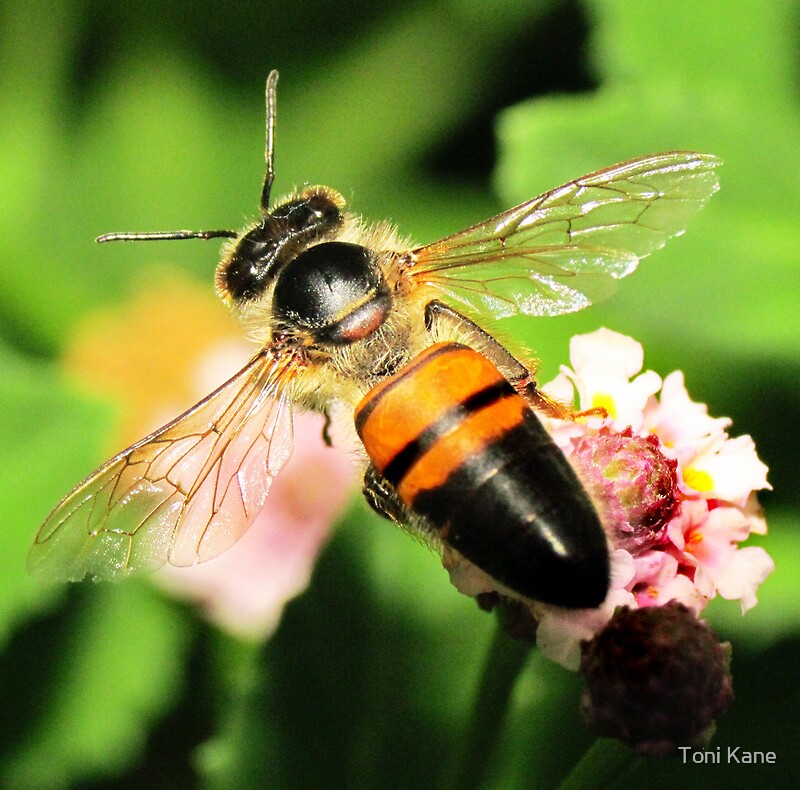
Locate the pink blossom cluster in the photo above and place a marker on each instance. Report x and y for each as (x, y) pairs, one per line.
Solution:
(695, 503)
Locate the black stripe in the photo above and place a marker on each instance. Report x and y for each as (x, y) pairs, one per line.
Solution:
(518, 511)
(415, 364)
(398, 467)
(525, 441)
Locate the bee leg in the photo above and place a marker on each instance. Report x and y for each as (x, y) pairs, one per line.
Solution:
(383, 499)
(326, 428)
(438, 314)
(520, 376)
(560, 410)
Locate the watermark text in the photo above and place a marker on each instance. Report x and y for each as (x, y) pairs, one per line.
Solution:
(726, 755)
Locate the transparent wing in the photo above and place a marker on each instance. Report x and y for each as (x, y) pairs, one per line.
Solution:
(563, 250)
(182, 495)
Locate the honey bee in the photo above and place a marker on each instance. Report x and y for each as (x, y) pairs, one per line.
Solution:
(347, 313)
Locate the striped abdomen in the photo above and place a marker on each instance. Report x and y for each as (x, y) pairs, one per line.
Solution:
(463, 449)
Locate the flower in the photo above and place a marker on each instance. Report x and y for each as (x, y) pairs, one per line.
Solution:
(154, 363)
(675, 492)
(605, 367)
(245, 589)
(157, 353)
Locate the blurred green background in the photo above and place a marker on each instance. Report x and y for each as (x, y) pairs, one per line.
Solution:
(119, 116)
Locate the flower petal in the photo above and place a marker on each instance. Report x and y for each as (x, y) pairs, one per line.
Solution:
(729, 470)
(677, 420)
(748, 568)
(606, 353)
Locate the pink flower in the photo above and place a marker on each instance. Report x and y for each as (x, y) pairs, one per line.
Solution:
(245, 589)
(674, 490)
(680, 423)
(604, 374)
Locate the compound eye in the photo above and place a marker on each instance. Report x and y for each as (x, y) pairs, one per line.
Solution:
(316, 210)
(243, 276)
(262, 251)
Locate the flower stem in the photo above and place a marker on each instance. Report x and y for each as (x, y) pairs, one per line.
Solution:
(241, 741)
(504, 661)
(605, 764)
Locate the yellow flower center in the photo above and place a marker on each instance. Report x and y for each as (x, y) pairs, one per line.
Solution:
(602, 400)
(698, 479)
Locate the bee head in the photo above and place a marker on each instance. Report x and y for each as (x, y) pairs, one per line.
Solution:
(258, 254)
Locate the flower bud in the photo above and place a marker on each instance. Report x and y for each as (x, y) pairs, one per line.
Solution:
(656, 678)
(633, 482)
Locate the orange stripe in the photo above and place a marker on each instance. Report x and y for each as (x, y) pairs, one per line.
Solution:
(472, 437)
(399, 409)
(422, 359)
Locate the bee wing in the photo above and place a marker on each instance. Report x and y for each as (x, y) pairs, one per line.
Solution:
(563, 250)
(182, 495)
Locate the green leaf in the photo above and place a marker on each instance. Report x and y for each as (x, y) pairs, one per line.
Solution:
(695, 41)
(50, 437)
(120, 665)
(121, 669)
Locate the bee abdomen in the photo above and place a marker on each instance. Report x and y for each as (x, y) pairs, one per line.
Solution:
(463, 449)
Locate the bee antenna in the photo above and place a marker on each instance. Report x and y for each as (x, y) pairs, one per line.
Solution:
(168, 235)
(269, 154)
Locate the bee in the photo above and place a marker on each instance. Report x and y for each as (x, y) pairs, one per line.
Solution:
(348, 313)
